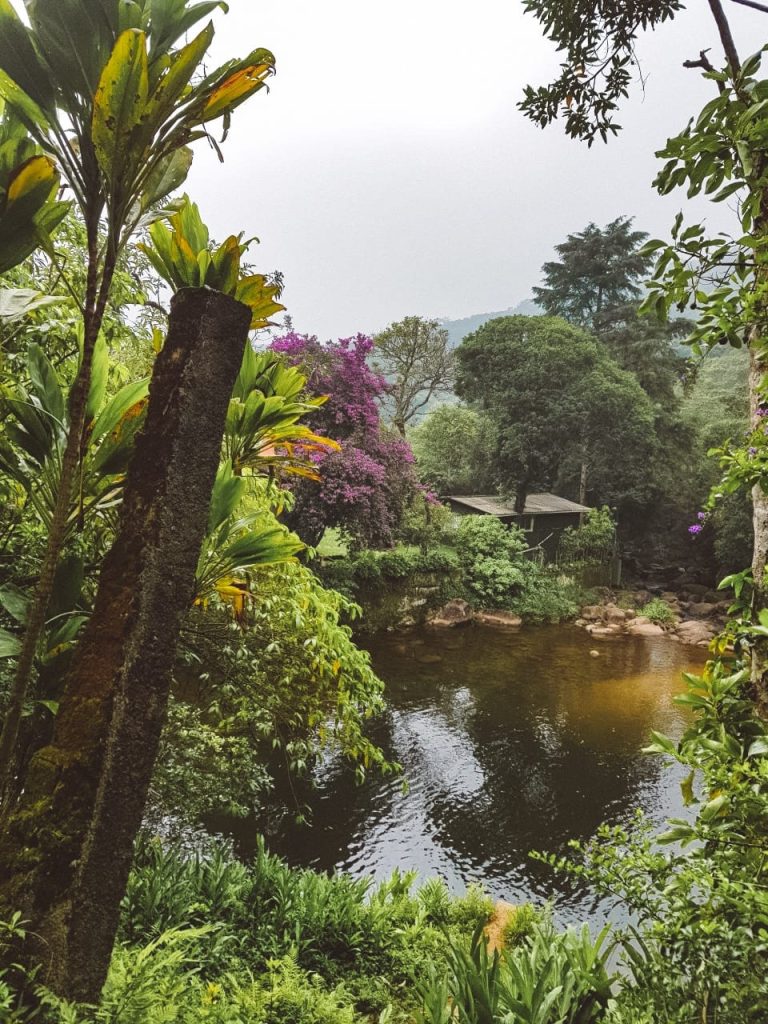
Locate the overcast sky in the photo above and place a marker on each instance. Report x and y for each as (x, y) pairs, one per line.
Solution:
(388, 171)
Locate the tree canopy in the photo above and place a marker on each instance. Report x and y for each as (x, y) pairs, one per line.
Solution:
(558, 402)
(414, 356)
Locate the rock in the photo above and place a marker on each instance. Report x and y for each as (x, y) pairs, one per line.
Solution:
(602, 631)
(580, 622)
(428, 659)
(695, 632)
(499, 618)
(644, 629)
(630, 613)
(455, 613)
(713, 597)
(613, 614)
(641, 620)
(594, 654)
(641, 597)
(695, 589)
(592, 611)
(669, 597)
(702, 609)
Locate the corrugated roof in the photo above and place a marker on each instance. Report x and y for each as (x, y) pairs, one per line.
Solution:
(535, 504)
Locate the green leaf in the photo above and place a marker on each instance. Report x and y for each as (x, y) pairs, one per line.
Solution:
(114, 410)
(45, 384)
(15, 602)
(16, 303)
(10, 645)
(168, 175)
(19, 59)
(119, 104)
(686, 788)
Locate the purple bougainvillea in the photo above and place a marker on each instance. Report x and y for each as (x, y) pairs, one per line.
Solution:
(365, 486)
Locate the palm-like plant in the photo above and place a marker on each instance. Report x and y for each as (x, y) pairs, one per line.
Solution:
(113, 99)
(263, 430)
(36, 429)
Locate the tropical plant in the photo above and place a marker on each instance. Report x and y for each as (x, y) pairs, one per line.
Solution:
(36, 427)
(658, 611)
(105, 91)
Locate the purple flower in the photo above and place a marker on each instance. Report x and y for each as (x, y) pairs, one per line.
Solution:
(696, 528)
(701, 516)
(762, 409)
(752, 452)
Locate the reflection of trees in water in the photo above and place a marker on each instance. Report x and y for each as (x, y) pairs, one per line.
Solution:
(510, 743)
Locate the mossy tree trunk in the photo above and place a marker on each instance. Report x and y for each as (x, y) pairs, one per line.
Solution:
(66, 853)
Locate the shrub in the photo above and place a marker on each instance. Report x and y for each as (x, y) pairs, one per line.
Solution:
(488, 537)
(592, 540)
(658, 611)
(521, 925)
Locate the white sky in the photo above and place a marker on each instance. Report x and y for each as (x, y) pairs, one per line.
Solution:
(388, 171)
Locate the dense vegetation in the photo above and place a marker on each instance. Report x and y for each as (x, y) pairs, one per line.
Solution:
(165, 640)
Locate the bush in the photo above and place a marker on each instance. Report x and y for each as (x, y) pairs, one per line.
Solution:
(658, 611)
(487, 537)
(592, 540)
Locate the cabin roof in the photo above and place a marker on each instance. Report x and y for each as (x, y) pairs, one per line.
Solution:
(535, 504)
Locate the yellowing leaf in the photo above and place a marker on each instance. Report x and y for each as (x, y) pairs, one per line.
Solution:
(119, 103)
(235, 89)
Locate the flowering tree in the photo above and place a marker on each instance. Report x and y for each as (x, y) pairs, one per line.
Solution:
(367, 484)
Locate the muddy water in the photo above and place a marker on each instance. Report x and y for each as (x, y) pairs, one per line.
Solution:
(509, 742)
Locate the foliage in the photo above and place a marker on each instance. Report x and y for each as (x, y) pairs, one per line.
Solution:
(367, 484)
(184, 257)
(286, 678)
(598, 270)
(548, 978)
(425, 522)
(521, 924)
(414, 356)
(598, 46)
(659, 612)
(558, 401)
(454, 448)
(593, 539)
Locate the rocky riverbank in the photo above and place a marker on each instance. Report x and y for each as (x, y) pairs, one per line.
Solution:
(693, 615)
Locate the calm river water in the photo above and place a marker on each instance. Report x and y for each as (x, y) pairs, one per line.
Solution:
(509, 742)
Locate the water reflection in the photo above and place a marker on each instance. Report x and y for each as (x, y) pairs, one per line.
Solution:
(509, 742)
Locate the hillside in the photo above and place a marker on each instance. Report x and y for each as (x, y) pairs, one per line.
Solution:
(459, 329)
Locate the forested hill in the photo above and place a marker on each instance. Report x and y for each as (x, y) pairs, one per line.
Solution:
(459, 329)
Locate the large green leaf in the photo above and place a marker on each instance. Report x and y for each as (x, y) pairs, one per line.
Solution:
(171, 19)
(116, 408)
(19, 59)
(75, 37)
(16, 303)
(10, 645)
(120, 101)
(45, 384)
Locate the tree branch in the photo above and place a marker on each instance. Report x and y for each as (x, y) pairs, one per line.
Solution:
(752, 3)
(729, 46)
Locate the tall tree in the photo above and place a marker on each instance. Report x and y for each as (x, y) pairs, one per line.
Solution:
(559, 403)
(598, 270)
(414, 356)
(722, 153)
(454, 448)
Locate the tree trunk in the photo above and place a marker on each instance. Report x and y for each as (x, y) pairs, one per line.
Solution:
(583, 484)
(68, 848)
(94, 316)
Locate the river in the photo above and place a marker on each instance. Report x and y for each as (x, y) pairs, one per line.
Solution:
(509, 741)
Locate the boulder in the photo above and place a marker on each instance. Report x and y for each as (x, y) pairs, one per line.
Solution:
(641, 620)
(695, 632)
(592, 612)
(644, 629)
(603, 631)
(428, 659)
(630, 613)
(499, 618)
(580, 622)
(613, 614)
(641, 597)
(669, 597)
(701, 609)
(455, 613)
(695, 589)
